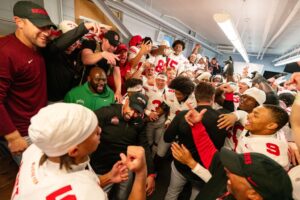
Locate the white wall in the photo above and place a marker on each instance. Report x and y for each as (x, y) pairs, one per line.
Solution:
(68, 10)
(7, 24)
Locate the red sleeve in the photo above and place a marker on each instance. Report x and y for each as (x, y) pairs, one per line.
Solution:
(204, 145)
(229, 96)
(6, 124)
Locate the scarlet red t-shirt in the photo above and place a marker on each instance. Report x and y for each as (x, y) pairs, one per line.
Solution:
(22, 85)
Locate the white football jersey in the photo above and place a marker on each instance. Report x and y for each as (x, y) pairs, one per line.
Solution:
(177, 62)
(48, 182)
(175, 106)
(191, 67)
(160, 62)
(231, 140)
(155, 97)
(269, 145)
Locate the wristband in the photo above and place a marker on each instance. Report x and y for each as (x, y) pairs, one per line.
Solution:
(153, 175)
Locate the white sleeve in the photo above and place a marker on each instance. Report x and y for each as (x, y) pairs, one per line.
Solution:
(203, 173)
(132, 52)
(241, 116)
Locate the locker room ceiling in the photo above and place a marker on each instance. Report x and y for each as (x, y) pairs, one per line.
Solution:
(254, 19)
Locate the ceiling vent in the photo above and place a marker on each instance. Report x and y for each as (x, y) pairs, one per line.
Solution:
(225, 48)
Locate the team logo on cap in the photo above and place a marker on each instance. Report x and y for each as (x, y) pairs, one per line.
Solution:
(141, 100)
(116, 37)
(39, 11)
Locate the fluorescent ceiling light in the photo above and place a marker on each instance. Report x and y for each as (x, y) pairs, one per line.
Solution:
(225, 23)
(292, 59)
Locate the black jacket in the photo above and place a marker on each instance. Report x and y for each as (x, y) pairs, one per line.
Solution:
(62, 74)
(180, 129)
(116, 135)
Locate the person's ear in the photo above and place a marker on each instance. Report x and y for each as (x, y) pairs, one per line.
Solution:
(253, 195)
(19, 22)
(89, 79)
(272, 126)
(73, 152)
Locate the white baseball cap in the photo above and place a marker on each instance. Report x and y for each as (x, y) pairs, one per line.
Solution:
(204, 75)
(58, 127)
(165, 43)
(257, 94)
(66, 26)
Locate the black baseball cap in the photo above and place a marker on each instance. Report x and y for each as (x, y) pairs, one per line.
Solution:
(112, 37)
(138, 102)
(265, 175)
(35, 13)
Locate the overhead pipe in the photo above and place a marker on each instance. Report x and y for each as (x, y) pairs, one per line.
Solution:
(145, 13)
(110, 15)
(282, 28)
(268, 26)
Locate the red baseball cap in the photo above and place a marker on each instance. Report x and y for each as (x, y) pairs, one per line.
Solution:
(121, 47)
(135, 40)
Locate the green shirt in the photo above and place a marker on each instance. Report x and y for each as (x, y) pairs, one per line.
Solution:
(84, 96)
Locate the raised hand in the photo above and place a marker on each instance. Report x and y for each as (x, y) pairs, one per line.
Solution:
(110, 57)
(183, 155)
(119, 172)
(226, 121)
(193, 116)
(135, 159)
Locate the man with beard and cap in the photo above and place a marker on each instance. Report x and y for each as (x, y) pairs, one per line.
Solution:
(94, 94)
(122, 125)
(105, 58)
(57, 164)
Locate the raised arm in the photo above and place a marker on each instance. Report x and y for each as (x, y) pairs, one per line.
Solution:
(204, 145)
(136, 162)
(295, 116)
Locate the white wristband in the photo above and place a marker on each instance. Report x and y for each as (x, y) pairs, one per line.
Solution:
(203, 173)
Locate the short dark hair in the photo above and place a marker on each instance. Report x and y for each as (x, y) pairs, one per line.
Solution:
(178, 42)
(132, 82)
(146, 39)
(287, 98)
(204, 91)
(183, 84)
(279, 115)
(272, 98)
(219, 99)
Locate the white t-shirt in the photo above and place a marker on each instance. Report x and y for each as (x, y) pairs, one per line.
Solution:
(48, 182)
